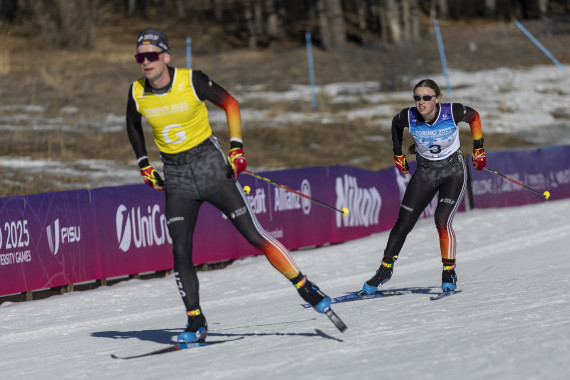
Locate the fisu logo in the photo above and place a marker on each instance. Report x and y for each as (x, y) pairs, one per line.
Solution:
(57, 235)
(134, 227)
(53, 237)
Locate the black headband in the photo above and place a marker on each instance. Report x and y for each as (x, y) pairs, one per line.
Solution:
(152, 36)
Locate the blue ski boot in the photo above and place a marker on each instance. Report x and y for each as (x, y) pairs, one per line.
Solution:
(311, 293)
(448, 278)
(383, 274)
(196, 329)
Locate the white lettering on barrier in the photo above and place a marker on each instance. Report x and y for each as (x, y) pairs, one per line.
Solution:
(562, 176)
(508, 186)
(482, 187)
(70, 234)
(535, 180)
(23, 256)
(18, 257)
(257, 201)
(7, 259)
(286, 200)
(277, 234)
(141, 229)
(364, 203)
(65, 235)
(16, 235)
(306, 203)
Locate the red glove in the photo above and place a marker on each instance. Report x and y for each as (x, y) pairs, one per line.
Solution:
(152, 178)
(479, 159)
(237, 161)
(402, 164)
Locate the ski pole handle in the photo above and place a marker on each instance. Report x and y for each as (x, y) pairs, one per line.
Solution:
(343, 211)
(545, 195)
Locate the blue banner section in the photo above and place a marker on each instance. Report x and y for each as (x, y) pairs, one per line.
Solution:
(55, 239)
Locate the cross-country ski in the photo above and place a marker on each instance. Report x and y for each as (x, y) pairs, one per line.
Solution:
(444, 294)
(175, 347)
(356, 297)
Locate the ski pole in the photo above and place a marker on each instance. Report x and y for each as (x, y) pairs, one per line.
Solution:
(546, 194)
(344, 210)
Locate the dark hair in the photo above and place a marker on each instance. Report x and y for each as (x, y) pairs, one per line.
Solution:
(428, 83)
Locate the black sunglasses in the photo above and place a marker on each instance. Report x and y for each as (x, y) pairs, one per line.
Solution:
(427, 98)
(152, 56)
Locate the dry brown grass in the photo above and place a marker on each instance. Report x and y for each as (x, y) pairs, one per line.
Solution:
(96, 82)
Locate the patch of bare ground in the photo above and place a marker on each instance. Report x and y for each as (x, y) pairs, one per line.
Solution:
(96, 82)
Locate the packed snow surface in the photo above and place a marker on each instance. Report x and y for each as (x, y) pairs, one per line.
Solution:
(511, 320)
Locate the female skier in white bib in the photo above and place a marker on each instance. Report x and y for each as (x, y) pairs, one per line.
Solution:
(440, 168)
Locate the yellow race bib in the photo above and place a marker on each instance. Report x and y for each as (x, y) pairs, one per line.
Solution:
(178, 118)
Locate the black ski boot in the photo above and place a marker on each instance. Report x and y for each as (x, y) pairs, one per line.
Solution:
(196, 329)
(383, 274)
(448, 278)
(311, 293)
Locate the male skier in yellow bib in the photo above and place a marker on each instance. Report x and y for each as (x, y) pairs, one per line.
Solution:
(196, 170)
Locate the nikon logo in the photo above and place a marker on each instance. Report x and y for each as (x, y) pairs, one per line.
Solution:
(364, 203)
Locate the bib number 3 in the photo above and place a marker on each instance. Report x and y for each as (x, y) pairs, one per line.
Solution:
(435, 149)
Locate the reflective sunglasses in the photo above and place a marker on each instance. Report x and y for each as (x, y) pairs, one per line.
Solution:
(427, 98)
(152, 56)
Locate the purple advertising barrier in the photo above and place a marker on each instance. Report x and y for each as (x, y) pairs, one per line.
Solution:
(14, 246)
(546, 169)
(286, 216)
(55, 239)
(43, 241)
(292, 219)
(131, 225)
(303, 223)
(373, 199)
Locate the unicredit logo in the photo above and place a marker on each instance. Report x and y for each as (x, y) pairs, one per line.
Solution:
(141, 227)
